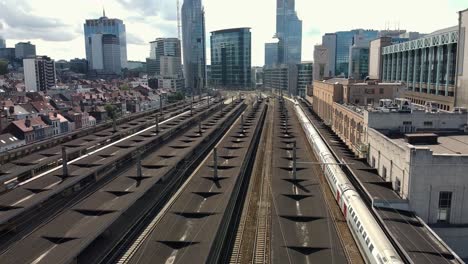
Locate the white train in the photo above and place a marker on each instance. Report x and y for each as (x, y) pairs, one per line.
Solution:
(373, 243)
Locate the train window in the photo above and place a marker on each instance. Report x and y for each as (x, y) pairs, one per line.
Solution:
(371, 247)
(360, 229)
(367, 241)
(364, 234)
(359, 224)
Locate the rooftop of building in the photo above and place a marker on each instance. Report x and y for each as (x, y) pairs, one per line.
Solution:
(7, 139)
(230, 30)
(444, 30)
(447, 143)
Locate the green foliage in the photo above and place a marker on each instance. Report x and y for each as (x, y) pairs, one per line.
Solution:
(125, 87)
(111, 111)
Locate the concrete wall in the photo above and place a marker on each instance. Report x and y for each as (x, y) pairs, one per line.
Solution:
(423, 175)
(462, 61)
(30, 81)
(364, 94)
(394, 121)
(390, 159)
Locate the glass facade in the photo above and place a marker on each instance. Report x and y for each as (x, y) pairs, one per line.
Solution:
(289, 32)
(193, 36)
(304, 77)
(231, 58)
(344, 40)
(271, 54)
(105, 25)
(359, 63)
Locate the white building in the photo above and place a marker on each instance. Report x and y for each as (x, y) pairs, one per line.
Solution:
(39, 73)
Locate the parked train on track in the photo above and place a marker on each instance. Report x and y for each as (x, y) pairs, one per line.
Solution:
(371, 240)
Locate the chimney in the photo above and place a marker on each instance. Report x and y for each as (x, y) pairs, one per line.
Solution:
(27, 122)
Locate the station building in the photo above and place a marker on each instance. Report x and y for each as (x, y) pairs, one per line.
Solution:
(433, 67)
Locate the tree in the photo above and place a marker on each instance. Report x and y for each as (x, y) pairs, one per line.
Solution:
(3, 67)
(111, 111)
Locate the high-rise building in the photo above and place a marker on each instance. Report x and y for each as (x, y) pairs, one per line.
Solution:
(2, 43)
(271, 54)
(304, 77)
(103, 26)
(193, 36)
(358, 67)
(164, 63)
(344, 40)
(289, 32)
(231, 58)
(329, 42)
(7, 54)
(321, 63)
(375, 56)
(24, 50)
(291, 79)
(111, 54)
(165, 58)
(79, 65)
(39, 73)
(104, 56)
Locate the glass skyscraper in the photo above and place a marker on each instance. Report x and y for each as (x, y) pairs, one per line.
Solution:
(344, 40)
(194, 46)
(231, 58)
(106, 25)
(289, 32)
(271, 54)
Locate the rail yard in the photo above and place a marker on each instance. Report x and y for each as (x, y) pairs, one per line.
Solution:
(247, 179)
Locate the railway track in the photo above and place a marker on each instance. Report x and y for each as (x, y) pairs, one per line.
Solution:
(43, 159)
(132, 195)
(251, 244)
(42, 205)
(197, 224)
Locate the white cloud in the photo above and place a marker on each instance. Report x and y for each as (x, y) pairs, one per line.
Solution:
(147, 19)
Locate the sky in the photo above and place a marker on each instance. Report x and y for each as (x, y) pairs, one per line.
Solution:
(56, 26)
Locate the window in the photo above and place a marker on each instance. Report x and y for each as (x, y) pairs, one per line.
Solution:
(428, 123)
(407, 123)
(384, 172)
(445, 203)
(398, 185)
(381, 90)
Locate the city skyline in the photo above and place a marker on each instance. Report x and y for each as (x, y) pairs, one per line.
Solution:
(60, 35)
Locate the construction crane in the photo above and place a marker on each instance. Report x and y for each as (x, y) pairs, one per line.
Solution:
(179, 27)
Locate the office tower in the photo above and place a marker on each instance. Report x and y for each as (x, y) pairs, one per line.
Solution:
(231, 58)
(104, 26)
(111, 54)
(289, 32)
(193, 36)
(39, 73)
(24, 50)
(2, 43)
(304, 77)
(344, 40)
(104, 54)
(321, 63)
(329, 42)
(79, 65)
(165, 57)
(271, 54)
